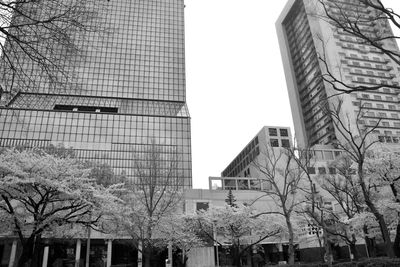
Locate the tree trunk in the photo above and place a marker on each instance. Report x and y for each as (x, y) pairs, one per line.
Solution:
(384, 231)
(25, 255)
(396, 244)
(185, 259)
(29, 249)
(236, 257)
(328, 258)
(321, 248)
(385, 235)
(291, 241)
(36, 252)
(353, 248)
(147, 247)
(378, 216)
(371, 246)
(147, 256)
(370, 242)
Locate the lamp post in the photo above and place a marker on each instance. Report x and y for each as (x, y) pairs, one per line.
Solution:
(88, 247)
(215, 241)
(88, 240)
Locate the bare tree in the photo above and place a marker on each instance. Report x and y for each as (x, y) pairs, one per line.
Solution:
(321, 192)
(283, 176)
(368, 29)
(181, 233)
(385, 166)
(241, 226)
(42, 41)
(310, 209)
(356, 140)
(152, 199)
(343, 188)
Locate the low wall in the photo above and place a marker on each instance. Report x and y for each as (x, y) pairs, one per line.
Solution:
(201, 257)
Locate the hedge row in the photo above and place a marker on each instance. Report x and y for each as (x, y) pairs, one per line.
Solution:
(374, 262)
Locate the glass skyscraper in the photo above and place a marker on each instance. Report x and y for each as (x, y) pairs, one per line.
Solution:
(127, 92)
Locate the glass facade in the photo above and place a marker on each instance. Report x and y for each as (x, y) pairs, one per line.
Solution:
(127, 92)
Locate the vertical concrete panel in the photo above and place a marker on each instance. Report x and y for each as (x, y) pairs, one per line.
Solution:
(45, 256)
(78, 253)
(12, 254)
(201, 257)
(109, 252)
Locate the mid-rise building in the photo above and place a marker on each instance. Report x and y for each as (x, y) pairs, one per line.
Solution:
(305, 37)
(127, 93)
(259, 173)
(268, 137)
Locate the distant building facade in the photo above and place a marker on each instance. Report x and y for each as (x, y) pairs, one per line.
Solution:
(303, 38)
(267, 137)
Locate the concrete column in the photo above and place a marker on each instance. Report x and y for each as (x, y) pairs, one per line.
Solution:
(45, 256)
(13, 253)
(88, 247)
(139, 256)
(215, 243)
(109, 252)
(170, 252)
(78, 252)
(280, 249)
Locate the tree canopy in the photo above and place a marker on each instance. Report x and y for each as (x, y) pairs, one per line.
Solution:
(40, 193)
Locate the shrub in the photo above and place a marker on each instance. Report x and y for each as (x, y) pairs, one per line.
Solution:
(307, 265)
(374, 262)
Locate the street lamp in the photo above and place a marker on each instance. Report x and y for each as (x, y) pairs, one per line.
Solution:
(215, 241)
(88, 241)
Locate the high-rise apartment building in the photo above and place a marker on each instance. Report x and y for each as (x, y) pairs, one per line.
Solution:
(304, 36)
(127, 93)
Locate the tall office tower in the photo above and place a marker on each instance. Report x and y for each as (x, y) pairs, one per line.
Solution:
(304, 36)
(127, 94)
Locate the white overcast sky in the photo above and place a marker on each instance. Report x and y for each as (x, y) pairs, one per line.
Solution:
(234, 78)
